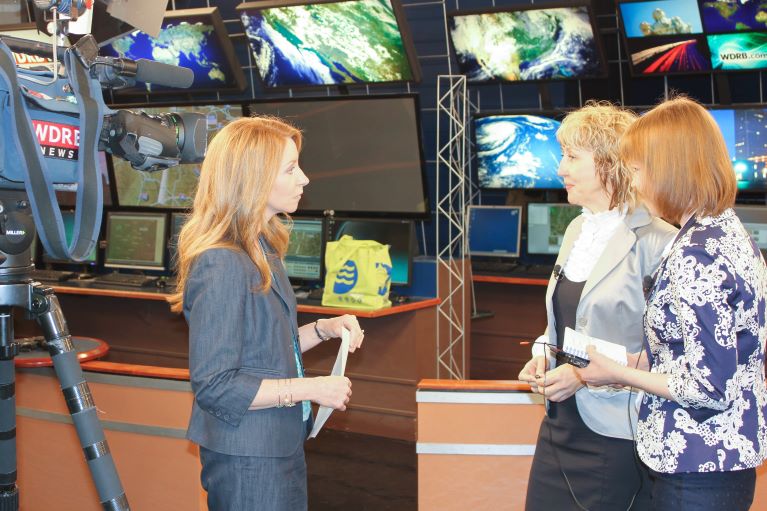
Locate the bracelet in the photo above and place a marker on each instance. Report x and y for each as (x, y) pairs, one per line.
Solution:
(286, 400)
(317, 331)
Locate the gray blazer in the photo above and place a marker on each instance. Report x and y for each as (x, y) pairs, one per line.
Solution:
(237, 338)
(612, 305)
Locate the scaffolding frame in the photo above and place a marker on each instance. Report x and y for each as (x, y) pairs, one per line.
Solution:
(452, 175)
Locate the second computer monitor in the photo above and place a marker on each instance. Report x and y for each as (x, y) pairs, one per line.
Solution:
(494, 230)
(68, 217)
(135, 240)
(754, 219)
(546, 225)
(398, 234)
(303, 261)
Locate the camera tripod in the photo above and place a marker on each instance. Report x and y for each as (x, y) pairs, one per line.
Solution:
(17, 289)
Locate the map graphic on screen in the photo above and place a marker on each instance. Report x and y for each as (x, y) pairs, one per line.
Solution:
(173, 187)
(539, 44)
(734, 15)
(195, 43)
(517, 151)
(341, 42)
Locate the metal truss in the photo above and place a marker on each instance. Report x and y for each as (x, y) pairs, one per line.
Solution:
(453, 193)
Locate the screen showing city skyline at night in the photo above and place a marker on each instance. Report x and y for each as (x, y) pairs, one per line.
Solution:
(745, 134)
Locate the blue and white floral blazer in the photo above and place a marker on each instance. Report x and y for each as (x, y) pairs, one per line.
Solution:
(706, 328)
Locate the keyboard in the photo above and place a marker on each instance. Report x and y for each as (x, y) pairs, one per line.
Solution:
(511, 269)
(493, 267)
(53, 275)
(126, 279)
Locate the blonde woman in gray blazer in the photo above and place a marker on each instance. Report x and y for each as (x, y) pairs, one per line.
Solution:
(584, 455)
(251, 410)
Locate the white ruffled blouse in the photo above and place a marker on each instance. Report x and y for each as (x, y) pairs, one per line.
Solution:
(596, 231)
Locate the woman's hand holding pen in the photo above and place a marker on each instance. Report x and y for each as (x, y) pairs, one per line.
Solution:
(534, 368)
(333, 328)
(560, 383)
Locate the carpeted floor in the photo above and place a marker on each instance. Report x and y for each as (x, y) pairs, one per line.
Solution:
(349, 471)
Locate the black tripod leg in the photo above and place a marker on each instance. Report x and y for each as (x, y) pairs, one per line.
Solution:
(79, 401)
(9, 492)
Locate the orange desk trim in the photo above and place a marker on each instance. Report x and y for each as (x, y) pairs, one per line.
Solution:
(168, 373)
(315, 309)
(511, 280)
(473, 385)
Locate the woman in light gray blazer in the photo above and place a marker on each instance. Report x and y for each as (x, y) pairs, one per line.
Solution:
(251, 411)
(584, 457)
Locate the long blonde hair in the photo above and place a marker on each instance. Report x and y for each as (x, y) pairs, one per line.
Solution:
(237, 176)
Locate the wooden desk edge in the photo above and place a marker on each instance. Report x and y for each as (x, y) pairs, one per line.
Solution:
(525, 281)
(169, 373)
(473, 385)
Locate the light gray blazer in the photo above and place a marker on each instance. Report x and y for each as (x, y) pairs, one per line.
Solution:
(612, 305)
(237, 337)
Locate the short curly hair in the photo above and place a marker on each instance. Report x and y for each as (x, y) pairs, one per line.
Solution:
(598, 127)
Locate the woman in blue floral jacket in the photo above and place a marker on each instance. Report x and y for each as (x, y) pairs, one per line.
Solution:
(703, 419)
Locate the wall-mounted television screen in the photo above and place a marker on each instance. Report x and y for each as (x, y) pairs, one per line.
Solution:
(745, 133)
(191, 38)
(173, 187)
(362, 154)
(694, 36)
(329, 42)
(518, 150)
(527, 43)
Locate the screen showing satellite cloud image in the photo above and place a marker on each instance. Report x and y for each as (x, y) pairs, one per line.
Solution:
(537, 44)
(661, 17)
(343, 42)
(517, 151)
(194, 45)
(734, 15)
(173, 187)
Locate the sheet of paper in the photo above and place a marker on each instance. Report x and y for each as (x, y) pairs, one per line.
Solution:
(338, 370)
(576, 343)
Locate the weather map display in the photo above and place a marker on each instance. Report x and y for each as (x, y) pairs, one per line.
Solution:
(528, 44)
(303, 259)
(546, 226)
(733, 15)
(694, 36)
(745, 133)
(135, 240)
(328, 43)
(517, 151)
(191, 38)
(173, 187)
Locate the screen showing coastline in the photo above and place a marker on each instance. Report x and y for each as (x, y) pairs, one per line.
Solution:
(173, 187)
(517, 151)
(191, 38)
(526, 44)
(328, 42)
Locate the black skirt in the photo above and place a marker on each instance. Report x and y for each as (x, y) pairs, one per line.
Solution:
(604, 473)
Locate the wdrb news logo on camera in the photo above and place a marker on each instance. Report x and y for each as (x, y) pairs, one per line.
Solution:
(57, 140)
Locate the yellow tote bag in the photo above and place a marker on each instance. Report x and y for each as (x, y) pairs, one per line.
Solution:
(358, 274)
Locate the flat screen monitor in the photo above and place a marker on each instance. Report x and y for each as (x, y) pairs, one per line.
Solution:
(546, 225)
(518, 151)
(304, 259)
(193, 38)
(494, 230)
(754, 219)
(745, 134)
(177, 221)
(527, 43)
(693, 36)
(398, 234)
(329, 42)
(175, 186)
(362, 154)
(68, 217)
(135, 240)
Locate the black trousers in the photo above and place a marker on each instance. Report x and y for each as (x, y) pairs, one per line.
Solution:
(603, 473)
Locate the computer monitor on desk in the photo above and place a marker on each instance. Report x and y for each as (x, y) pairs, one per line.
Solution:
(546, 225)
(754, 219)
(68, 217)
(306, 249)
(135, 240)
(494, 231)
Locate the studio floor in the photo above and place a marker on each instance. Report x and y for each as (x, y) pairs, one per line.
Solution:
(354, 472)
